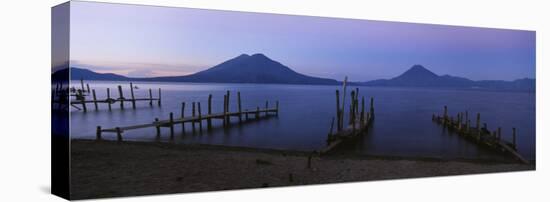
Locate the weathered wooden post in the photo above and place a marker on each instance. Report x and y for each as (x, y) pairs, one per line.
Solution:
(132, 94)
(98, 133)
(239, 106)
(514, 138)
(224, 122)
(338, 117)
(200, 117)
(95, 99)
(171, 125)
(109, 98)
(160, 98)
(150, 97)
(227, 117)
(356, 101)
(183, 116)
(82, 85)
(88, 88)
(121, 97)
(80, 96)
(352, 110)
(331, 127)
(209, 120)
(118, 134)
(157, 126)
(193, 120)
(343, 103)
(372, 107)
(467, 120)
(362, 119)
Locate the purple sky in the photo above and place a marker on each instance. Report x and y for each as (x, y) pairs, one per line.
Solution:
(159, 41)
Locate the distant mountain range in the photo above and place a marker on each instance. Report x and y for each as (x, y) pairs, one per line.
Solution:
(418, 76)
(258, 68)
(255, 68)
(78, 73)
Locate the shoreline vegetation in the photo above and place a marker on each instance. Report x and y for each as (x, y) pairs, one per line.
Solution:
(114, 169)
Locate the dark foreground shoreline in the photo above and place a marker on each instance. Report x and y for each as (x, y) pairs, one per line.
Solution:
(110, 169)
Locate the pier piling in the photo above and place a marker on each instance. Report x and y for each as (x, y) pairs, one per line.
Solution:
(82, 85)
(157, 127)
(150, 97)
(98, 133)
(200, 117)
(132, 95)
(94, 99)
(118, 134)
(159, 100)
(193, 114)
(338, 117)
(209, 120)
(224, 122)
(239, 107)
(121, 97)
(362, 118)
(372, 108)
(171, 125)
(182, 117)
(109, 98)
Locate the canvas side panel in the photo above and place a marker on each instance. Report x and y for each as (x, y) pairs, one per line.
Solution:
(60, 176)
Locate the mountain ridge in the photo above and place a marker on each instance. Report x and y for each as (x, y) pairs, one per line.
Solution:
(419, 76)
(258, 68)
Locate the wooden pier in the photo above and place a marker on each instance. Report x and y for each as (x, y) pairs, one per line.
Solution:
(198, 118)
(478, 134)
(80, 102)
(358, 124)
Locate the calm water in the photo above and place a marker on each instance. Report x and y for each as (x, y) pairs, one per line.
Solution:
(403, 125)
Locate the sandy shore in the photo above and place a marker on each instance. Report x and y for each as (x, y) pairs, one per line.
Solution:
(111, 169)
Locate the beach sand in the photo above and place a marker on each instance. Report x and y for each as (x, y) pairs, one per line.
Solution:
(110, 169)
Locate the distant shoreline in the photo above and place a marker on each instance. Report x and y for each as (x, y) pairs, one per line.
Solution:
(110, 169)
(349, 84)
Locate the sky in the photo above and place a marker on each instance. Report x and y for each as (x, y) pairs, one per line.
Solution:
(144, 41)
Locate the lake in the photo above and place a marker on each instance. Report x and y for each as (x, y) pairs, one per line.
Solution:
(402, 127)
